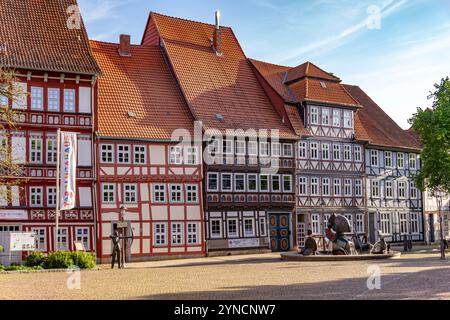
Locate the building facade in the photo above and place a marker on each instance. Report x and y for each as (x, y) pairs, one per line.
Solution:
(141, 166)
(431, 217)
(55, 89)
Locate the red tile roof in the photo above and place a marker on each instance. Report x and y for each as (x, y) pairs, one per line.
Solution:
(381, 129)
(214, 85)
(36, 37)
(143, 85)
(309, 70)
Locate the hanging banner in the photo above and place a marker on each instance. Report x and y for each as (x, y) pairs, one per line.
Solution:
(68, 170)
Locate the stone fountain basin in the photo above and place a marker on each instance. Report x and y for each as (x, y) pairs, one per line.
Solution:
(294, 256)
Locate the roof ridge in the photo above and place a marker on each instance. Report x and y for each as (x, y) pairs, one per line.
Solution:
(273, 64)
(117, 43)
(187, 20)
(348, 93)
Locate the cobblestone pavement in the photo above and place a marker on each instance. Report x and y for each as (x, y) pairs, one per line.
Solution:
(413, 276)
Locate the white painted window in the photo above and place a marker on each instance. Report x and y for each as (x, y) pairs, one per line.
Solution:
(348, 187)
(51, 149)
(385, 223)
(41, 238)
(326, 186)
(414, 223)
(337, 152)
(160, 231)
(216, 228)
(413, 190)
(252, 148)
(325, 151)
(140, 154)
(192, 233)
(82, 235)
(347, 152)
(239, 182)
(315, 186)
(287, 183)
(213, 181)
(159, 193)
(227, 182)
(276, 149)
(264, 183)
(252, 182)
(51, 196)
(108, 193)
(130, 193)
(192, 193)
(314, 115)
(389, 189)
(36, 197)
(315, 224)
(302, 150)
(177, 233)
(375, 188)
(314, 149)
(249, 227)
(358, 188)
(63, 239)
(388, 159)
(69, 100)
(400, 160)
(176, 193)
(325, 116)
(401, 189)
(107, 153)
(175, 155)
(262, 227)
(264, 149)
(240, 147)
(37, 98)
(374, 158)
(232, 228)
(412, 161)
(213, 147)
(358, 153)
(302, 186)
(123, 154)
(403, 223)
(36, 149)
(348, 119)
(276, 183)
(227, 147)
(191, 155)
(53, 99)
(337, 187)
(288, 150)
(336, 118)
(359, 223)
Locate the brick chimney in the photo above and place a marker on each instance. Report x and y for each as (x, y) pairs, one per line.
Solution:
(217, 36)
(125, 45)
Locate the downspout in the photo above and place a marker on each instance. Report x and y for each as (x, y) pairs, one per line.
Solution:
(94, 164)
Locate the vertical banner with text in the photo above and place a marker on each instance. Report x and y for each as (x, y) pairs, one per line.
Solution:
(68, 170)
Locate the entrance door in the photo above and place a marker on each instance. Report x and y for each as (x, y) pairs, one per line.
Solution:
(279, 232)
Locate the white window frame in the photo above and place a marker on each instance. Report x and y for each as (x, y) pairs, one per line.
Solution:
(69, 100)
(140, 154)
(240, 147)
(337, 151)
(51, 197)
(314, 150)
(400, 160)
(325, 151)
(233, 235)
(191, 154)
(359, 223)
(337, 187)
(109, 191)
(348, 119)
(252, 233)
(176, 193)
(375, 188)
(264, 149)
(385, 223)
(415, 224)
(219, 224)
(249, 176)
(268, 183)
(51, 149)
(303, 186)
(325, 116)
(130, 192)
(107, 151)
(314, 182)
(358, 188)
(177, 232)
(288, 150)
(289, 178)
(227, 174)
(209, 175)
(63, 233)
(175, 155)
(252, 148)
(227, 147)
(358, 153)
(192, 193)
(273, 179)
(276, 149)
(336, 118)
(262, 230)
(41, 234)
(125, 154)
(37, 98)
(315, 224)
(236, 176)
(83, 237)
(36, 197)
(412, 161)
(413, 190)
(326, 190)
(401, 187)
(314, 115)
(53, 99)
(192, 233)
(160, 234)
(389, 189)
(374, 158)
(303, 150)
(348, 192)
(347, 152)
(388, 162)
(36, 150)
(159, 193)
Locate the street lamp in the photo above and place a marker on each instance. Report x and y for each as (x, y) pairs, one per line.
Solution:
(439, 204)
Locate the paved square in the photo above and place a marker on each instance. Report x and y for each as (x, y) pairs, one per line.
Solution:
(413, 276)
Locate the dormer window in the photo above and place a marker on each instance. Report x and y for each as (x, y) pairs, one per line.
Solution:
(314, 115)
(348, 121)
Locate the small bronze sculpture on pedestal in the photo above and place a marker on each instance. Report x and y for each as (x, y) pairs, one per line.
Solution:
(117, 250)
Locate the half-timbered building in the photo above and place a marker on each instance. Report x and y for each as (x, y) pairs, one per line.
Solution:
(432, 223)
(55, 75)
(249, 169)
(330, 153)
(140, 163)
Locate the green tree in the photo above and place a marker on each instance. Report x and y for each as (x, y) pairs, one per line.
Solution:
(433, 127)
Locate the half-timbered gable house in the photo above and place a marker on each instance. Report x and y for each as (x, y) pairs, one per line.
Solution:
(249, 169)
(55, 75)
(392, 157)
(139, 165)
(330, 153)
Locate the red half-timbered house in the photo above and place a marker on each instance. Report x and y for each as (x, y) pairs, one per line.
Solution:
(139, 165)
(55, 75)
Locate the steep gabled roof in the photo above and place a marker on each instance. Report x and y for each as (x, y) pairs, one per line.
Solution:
(141, 86)
(221, 91)
(381, 129)
(35, 36)
(309, 70)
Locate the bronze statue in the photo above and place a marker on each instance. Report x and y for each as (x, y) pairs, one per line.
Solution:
(381, 246)
(337, 226)
(310, 245)
(117, 250)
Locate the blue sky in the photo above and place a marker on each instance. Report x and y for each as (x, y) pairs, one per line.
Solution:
(395, 50)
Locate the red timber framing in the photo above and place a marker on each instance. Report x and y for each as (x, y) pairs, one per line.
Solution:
(165, 223)
(33, 145)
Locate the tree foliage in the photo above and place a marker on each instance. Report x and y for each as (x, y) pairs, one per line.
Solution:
(433, 127)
